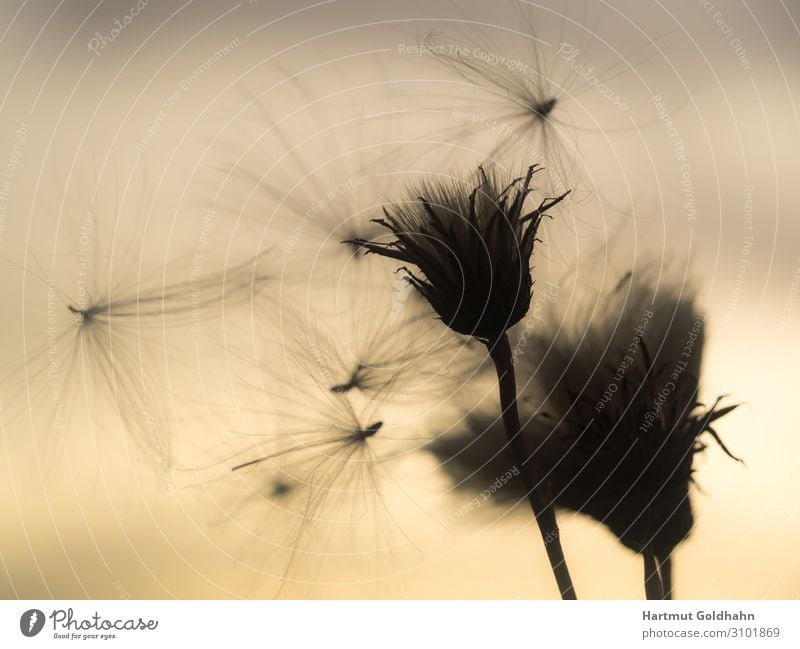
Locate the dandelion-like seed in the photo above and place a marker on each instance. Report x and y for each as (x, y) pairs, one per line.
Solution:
(473, 251)
(376, 347)
(298, 176)
(535, 91)
(332, 455)
(315, 475)
(526, 97)
(103, 338)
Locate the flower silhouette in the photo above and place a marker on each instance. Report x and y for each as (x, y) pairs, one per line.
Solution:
(616, 422)
(473, 249)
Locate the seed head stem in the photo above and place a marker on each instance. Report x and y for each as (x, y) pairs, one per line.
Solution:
(653, 586)
(539, 493)
(666, 576)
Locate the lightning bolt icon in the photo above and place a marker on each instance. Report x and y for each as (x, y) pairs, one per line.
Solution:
(32, 621)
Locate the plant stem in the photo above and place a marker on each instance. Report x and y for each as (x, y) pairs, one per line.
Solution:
(539, 494)
(653, 587)
(665, 566)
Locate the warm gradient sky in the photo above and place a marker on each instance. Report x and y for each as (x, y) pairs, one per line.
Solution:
(145, 122)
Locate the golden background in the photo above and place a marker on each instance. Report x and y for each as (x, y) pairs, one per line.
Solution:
(84, 519)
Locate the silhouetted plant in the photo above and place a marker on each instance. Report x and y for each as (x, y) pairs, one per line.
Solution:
(617, 426)
(473, 249)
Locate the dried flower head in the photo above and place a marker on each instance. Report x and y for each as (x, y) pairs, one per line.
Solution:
(473, 248)
(623, 420)
(629, 465)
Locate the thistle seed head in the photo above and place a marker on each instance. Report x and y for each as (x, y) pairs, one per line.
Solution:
(472, 249)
